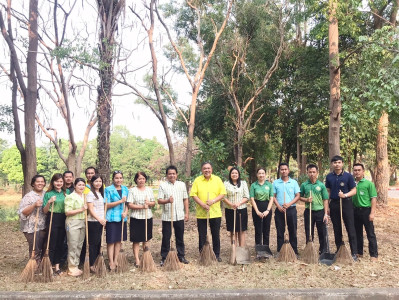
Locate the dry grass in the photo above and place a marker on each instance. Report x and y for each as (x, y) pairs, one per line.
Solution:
(269, 274)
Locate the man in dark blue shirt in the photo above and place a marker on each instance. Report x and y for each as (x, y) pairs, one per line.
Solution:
(340, 184)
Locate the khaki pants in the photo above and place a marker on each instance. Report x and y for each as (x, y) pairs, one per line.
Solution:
(75, 236)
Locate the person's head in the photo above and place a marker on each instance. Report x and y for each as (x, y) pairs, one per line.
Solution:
(68, 178)
(171, 174)
(89, 172)
(206, 169)
(38, 183)
(235, 176)
(313, 172)
(80, 185)
(140, 178)
(284, 170)
(117, 178)
(337, 163)
(358, 171)
(97, 184)
(261, 174)
(56, 183)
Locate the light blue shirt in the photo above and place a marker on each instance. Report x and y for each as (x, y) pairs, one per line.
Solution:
(290, 188)
(114, 214)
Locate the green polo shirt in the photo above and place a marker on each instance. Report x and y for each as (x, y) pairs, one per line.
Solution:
(59, 200)
(365, 190)
(261, 192)
(319, 194)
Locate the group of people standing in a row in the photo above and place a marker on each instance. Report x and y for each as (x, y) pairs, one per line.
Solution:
(66, 199)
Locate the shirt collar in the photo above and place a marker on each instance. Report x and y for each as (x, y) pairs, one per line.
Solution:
(204, 179)
(340, 174)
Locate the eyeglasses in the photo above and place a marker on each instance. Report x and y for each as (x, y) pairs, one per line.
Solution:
(117, 172)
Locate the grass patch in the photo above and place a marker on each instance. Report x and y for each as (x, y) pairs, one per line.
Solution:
(8, 214)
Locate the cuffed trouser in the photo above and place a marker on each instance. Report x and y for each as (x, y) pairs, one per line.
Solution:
(348, 216)
(292, 227)
(362, 219)
(40, 244)
(75, 234)
(317, 219)
(178, 227)
(214, 224)
(262, 230)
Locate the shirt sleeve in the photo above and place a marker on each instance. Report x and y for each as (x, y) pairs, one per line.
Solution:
(296, 188)
(303, 190)
(252, 191)
(90, 197)
(270, 190)
(274, 189)
(161, 194)
(222, 188)
(324, 193)
(372, 191)
(245, 189)
(46, 198)
(150, 194)
(68, 203)
(194, 189)
(328, 183)
(107, 196)
(22, 205)
(184, 189)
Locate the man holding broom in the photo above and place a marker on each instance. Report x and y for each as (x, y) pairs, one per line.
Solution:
(207, 191)
(173, 192)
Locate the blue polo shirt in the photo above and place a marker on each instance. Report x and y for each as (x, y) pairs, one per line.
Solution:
(343, 182)
(290, 188)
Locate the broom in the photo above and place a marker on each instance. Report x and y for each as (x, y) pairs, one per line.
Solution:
(287, 254)
(147, 263)
(28, 274)
(309, 253)
(172, 262)
(99, 265)
(121, 260)
(343, 256)
(207, 256)
(47, 270)
(86, 265)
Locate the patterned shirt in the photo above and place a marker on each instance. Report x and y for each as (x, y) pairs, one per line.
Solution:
(236, 194)
(59, 200)
(72, 202)
(98, 205)
(138, 197)
(179, 193)
(27, 223)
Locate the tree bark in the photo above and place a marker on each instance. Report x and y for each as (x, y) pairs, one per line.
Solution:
(382, 172)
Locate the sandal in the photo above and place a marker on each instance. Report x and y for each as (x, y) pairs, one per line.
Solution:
(57, 273)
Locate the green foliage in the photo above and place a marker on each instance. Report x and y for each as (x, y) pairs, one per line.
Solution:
(8, 214)
(6, 121)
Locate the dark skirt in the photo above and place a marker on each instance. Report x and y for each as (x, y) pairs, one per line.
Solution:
(114, 232)
(137, 230)
(229, 213)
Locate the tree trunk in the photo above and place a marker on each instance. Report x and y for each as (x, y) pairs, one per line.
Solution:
(382, 173)
(335, 102)
(190, 135)
(239, 144)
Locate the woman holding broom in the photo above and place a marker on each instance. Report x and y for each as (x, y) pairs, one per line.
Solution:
(54, 201)
(96, 218)
(115, 198)
(141, 198)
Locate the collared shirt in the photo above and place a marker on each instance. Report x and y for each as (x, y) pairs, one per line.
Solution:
(98, 205)
(114, 214)
(285, 190)
(208, 189)
(179, 192)
(236, 194)
(343, 182)
(71, 188)
(27, 223)
(261, 192)
(319, 193)
(365, 190)
(72, 202)
(59, 200)
(138, 197)
(87, 188)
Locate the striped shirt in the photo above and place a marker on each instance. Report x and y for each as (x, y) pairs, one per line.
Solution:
(98, 205)
(237, 194)
(179, 193)
(138, 197)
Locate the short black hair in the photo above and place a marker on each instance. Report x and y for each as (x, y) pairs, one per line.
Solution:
(358, 165)
(88, 168)
(337, 158)
(206, 163)
(171, 167)
(311, 166)
(67, 172)
(34, 178)
(79, 179)
(283, 164)
(260, 168)
(138, 174)
(116, 172)
(239, 176)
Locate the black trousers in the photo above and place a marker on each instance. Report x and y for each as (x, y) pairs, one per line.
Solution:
(178, 227)
(262, 229)
(362, 219)
(95, 231)
(292, 227)
(317, 219)
(57, 237)
(214, 224)
(348, 216)
(40, 244)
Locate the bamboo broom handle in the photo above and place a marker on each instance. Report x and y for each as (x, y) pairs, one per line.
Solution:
(87, 227)
(310, 216)
(207, 216)
(105, 218)
(34, 234)
(285, 217)
(51, 223)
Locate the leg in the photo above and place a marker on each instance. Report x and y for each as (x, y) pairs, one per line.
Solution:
(358, 220)
(241, 239)
(117, 249)
(202, 230)
(347, 214)
(110, 252)
(280, 226)
(266, 229)
(318, 219)
(306, 221)
(292, 227)
(257, 226)
(166, 234)
(136, 249)
(369, 226)
(215, 231)
(74, 245)
(336, 221)
(179, 237)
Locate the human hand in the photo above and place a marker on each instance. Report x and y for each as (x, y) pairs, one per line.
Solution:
(235, 205)
(123, 199)
(171, 199)
(84, 207)
(341, 195)
(52, 199)
(124, 214)
(286, 205)
(102, 221)
(205, 206)
(209, 202)
(371, 217)
(186, 217)
(325, 219)
(310, 199)
(39, 203)
(265, 213)
(260, 215)
(281, 209)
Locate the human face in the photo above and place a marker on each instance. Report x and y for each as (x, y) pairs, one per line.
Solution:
(80, 187)
(68, 178)
(89, 174)
(172, 176)
(337, 166)
(284, 171)
(97, 184)
(141, 181)
(234, 175)
(38, 185)
(313, 174)
(358, 172)
(207, 171)
(118, 180)
(58, 184)
(261, 175)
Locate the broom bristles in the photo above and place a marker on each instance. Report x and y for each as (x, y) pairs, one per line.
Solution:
(99, 266)
(172, 262)
(310, 255)
(28, 274)
(122, 262)
(147, 263)
(46, 268)
(343, 256)
(287, 254)
(207, 256)
(86, 268)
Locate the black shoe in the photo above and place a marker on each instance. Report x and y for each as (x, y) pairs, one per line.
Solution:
(183, 260)
(219, 259)
(354, 256)
(162, 262)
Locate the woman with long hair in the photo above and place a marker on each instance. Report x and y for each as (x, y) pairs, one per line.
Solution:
(54, 198)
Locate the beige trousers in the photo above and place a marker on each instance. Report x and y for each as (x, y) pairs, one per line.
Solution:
(75, 230)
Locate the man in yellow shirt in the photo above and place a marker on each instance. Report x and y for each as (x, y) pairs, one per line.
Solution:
(207, 191)
(89, 172)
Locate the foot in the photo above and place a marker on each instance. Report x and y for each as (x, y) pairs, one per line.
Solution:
(162, 262)
(219, 259)
(183, 260)
(354, 256)
(373, 259)
(75, 273)
(92, 269)
(112, 267)
(359, 255)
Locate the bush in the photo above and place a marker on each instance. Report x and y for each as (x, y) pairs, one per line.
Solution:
(8, 214)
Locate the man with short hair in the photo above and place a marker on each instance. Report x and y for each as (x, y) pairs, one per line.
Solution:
(68, 180)
(364, 202)
(207, 191)
(89, 173)
(315, 192)
(173, 193)
(340, 185)
(286, 193)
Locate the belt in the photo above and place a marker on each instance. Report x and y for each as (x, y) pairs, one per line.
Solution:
(362, 208)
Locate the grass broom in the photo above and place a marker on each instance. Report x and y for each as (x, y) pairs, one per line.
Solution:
(46, 267)
(100, 268)
(121, 260)
(287, 254)
(86, 265)
(343, 255)
(309, 253)
(28, 274)
(172, 262)
(207, 256)
(233, 260)
(147, 263)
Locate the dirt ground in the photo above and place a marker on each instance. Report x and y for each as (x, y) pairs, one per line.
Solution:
(269, 274)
